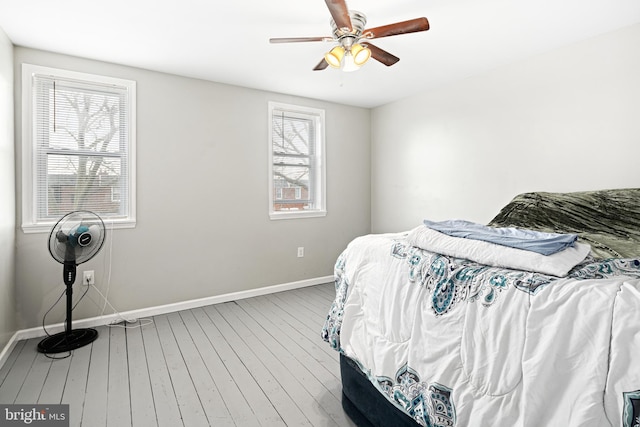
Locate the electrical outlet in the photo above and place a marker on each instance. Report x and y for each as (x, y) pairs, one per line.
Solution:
(300, 251)
(88, 278)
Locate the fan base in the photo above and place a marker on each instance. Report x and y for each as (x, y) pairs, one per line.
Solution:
(67, 341)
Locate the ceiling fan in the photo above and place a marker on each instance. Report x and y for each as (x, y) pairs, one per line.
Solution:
(354, 48)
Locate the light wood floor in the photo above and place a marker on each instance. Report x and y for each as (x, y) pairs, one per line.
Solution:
(253, 362)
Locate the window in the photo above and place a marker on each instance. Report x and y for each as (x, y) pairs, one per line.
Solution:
(78, 147)
(296, 162)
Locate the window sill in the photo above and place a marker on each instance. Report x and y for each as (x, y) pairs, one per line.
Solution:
(297, 214)
(45, 227)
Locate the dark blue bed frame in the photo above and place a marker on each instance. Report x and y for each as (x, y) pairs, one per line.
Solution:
(364, 404)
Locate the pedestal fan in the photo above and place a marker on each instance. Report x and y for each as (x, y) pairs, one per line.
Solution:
(75, 239)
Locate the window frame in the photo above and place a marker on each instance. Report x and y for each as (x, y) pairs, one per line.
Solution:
(319, 162)
(30, 222)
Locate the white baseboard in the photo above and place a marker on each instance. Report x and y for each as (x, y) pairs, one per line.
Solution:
(154, 311)
(6, 351)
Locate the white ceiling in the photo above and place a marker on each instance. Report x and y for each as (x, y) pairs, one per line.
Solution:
(228, 41)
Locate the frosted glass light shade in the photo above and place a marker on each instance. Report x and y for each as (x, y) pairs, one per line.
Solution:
(360, 54)
(348, 64)
(334, 56)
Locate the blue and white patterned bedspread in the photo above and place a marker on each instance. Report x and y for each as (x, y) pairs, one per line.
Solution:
(456, 343)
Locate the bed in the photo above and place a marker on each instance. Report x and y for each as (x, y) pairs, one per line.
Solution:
(440, 329)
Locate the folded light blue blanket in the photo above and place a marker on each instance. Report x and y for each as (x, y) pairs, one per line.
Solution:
(528, 240)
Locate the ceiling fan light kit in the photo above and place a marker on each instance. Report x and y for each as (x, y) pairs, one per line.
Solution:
(353, 47)
(350, 60)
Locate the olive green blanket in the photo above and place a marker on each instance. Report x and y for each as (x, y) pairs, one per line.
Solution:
(608, 220)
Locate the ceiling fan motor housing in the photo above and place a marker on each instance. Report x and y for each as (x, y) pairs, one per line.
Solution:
(346, 37)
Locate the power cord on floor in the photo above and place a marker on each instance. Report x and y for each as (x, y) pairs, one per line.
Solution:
(122, 322)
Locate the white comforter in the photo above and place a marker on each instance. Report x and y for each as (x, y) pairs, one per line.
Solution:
(457, 343)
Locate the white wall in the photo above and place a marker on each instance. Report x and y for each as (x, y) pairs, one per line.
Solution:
(203, 225)
(7, 194)
(567, 120)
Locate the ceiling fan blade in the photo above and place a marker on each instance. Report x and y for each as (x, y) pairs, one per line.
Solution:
(404, 27)
(321, 65)
(382, 55)
(299, 39)
(339, 13)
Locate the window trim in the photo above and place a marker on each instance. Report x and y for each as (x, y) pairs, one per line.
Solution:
(320, 178)
(30, 224)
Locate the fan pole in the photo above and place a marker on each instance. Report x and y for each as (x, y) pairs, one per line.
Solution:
(69, 272)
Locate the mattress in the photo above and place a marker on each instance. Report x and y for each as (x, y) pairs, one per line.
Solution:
(451, 341)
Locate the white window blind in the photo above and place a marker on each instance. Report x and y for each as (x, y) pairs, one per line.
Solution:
(82, 146)
(297, 171)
